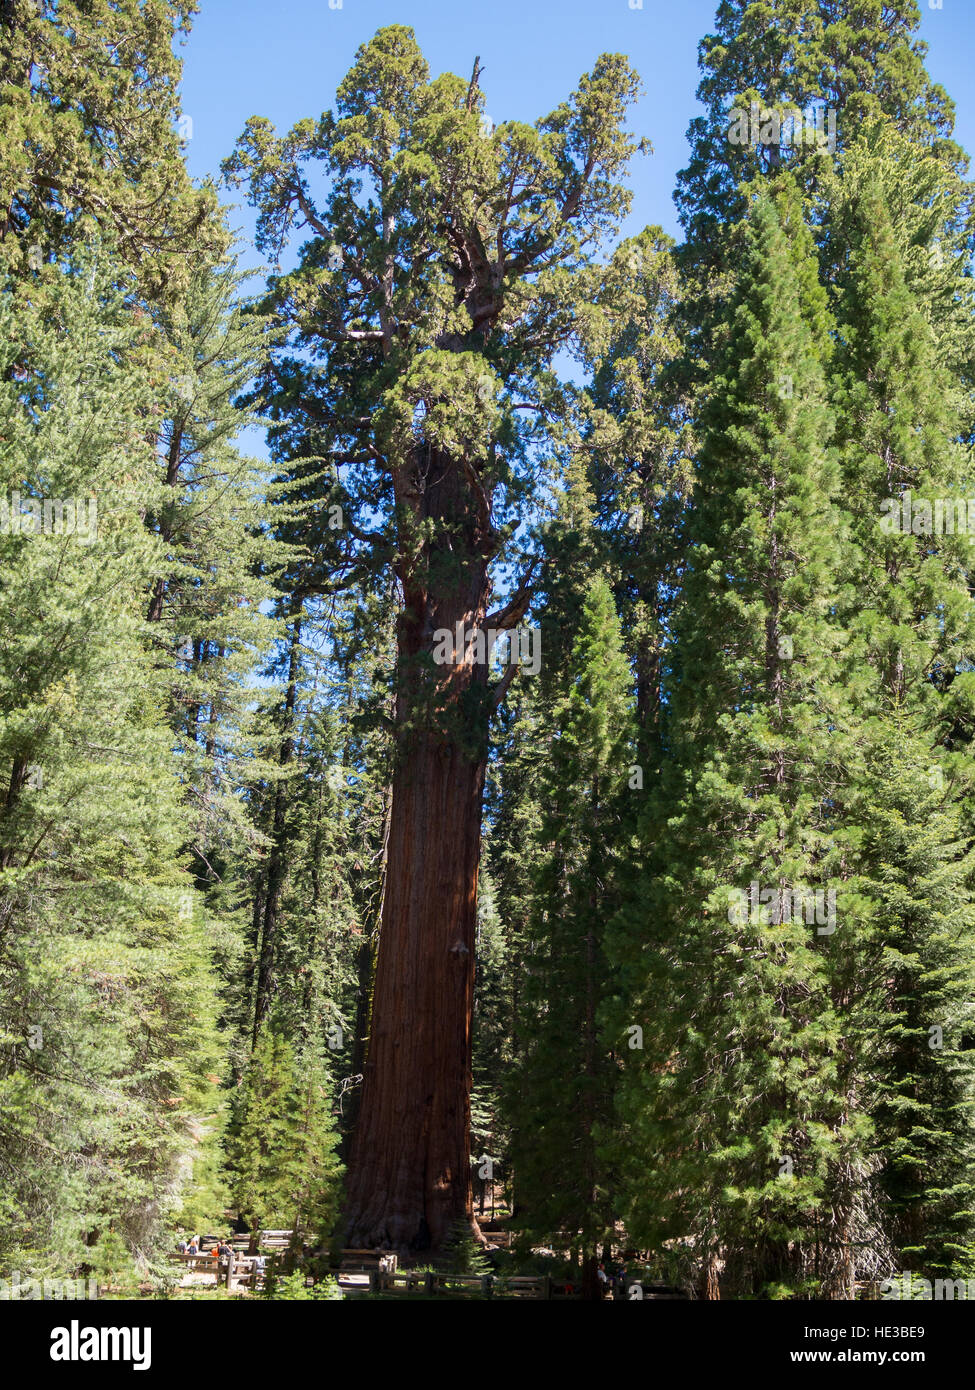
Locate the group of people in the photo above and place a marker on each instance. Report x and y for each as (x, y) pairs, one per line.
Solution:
(221, 1251)
(194, 1246)
(614, 1282)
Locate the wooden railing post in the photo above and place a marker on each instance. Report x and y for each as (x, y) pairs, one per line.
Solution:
(428, 1282)
(230, 1272)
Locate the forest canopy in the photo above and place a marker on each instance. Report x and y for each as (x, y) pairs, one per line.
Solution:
(524, 823)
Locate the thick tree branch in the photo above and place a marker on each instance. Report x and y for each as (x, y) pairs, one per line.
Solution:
(517, 606)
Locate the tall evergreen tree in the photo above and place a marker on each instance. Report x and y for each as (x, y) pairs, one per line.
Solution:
(636, 449)
(282, 1143)
(207, 600)
(910, 621)
(90, 132)
(562, 1090)
(436, 305)
(731, 1107)
(853, 58)
(107, 993)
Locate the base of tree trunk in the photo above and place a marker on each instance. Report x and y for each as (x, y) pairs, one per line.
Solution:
(408, 1249)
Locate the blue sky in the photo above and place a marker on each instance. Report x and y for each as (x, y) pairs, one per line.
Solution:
(284, 61)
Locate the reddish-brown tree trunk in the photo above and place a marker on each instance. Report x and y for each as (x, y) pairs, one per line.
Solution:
(409, 1165)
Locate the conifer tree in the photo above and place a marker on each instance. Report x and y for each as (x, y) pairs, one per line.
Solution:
(284, 1170)
(335, 817)
(905, 981)
(765, 59)
(108, 994)
(429, 313)
(496, 961)
(729, 1109)
(562, 1089)
(90, 129)
(910, 622)
(636, 450)
(211, 511)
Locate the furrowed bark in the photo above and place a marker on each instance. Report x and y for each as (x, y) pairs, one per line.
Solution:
(409, 1171)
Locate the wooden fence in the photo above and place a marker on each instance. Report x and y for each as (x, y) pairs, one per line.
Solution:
(374, 1272)
(430, 1283)
(234, 1271)
(535, 1286)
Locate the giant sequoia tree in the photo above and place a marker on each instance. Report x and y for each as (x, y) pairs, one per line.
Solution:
(446, 264)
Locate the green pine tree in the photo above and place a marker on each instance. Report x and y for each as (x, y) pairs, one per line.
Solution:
(561, 1091)
(730, 1109)
(108, 997)
(284, 1174)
